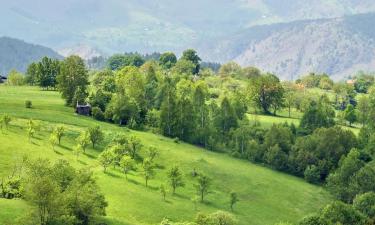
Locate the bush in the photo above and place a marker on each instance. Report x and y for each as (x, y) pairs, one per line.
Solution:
(176, 140)
(28, 104)
(97, 113)
(312, 174)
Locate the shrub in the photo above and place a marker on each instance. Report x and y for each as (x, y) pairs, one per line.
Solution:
(312, 174)
(28, 104)
(97, 113)
(176, 140)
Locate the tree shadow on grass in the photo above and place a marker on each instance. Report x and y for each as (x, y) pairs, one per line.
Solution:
(58, 153)
(133, 181)
(181, 196)
(90, 155)
(82, 162)
(65, 147)
(111, 174)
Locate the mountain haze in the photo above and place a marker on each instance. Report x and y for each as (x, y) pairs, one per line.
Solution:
(289, 37)
(339, 47)
(17, 54)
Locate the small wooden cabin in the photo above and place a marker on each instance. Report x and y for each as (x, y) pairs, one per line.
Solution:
(84, 110)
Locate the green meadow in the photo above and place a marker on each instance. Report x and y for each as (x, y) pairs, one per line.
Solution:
(266, 196)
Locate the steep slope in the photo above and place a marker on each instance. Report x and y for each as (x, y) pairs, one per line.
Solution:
(17, 54)
(266, 196)
(339, 47)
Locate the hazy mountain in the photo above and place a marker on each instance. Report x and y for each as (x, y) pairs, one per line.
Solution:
(339, 47)
(17, 54)
(147, 26)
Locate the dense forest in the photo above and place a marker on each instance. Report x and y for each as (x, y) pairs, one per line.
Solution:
(211, 106)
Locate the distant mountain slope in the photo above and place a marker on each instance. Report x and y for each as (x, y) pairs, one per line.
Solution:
(339, 47)
(147, 26)
(17, 54)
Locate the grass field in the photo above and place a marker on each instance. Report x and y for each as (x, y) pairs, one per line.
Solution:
(266, 196)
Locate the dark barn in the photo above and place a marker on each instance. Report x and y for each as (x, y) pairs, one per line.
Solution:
(84, 110)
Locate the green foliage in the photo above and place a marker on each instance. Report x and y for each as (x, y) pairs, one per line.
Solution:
(365, 203)
(28, 104)
(15, 78)
(72, 80)
(175, 178)
(118, 61)
(127, 164)
(96, 135)
(167, 60)
(266, 92)
(83, 140)
(77, 197)
(350, 114)
(59, 132)
(341, 213)
(203, 186)
(190, 55)
(97, 113)
(5, 121)
(148, 170)
(316, 116)
(105, 158)
(46, 72)
(233, 199)
(312, 174)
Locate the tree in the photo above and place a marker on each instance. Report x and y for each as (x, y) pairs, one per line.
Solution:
(227, 118)
(96, 135)
(31, 129)
(203, 186)
(339, 182)
(73, 77)
(105, 158)
(167, 60)
(191, 55)
(148, 170)
(59, 132)
(365, 203)
(230, 69)
(47, 71)
(315, 117)
(266, 92)
(53, 140)
(134, 146)
(118, 61)
(341, 213)
(175, 178)
(77, 150)
(127, 164)
(350, 114)
(83, 140)
(233, 199)
(5, 121)
(363, 109)
(31, 77)
(312, 174)
(163, 191)
(152, 153)
(15, 78)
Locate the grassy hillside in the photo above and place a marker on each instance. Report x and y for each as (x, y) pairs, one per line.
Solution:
(266, 196)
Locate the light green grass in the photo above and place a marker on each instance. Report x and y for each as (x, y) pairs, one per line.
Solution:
(266, 196)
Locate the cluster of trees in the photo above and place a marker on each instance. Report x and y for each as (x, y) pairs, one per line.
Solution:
(124, 153)
(59, 193)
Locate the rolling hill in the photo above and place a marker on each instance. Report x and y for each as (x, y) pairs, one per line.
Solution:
(129, 201)
(17, 54)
